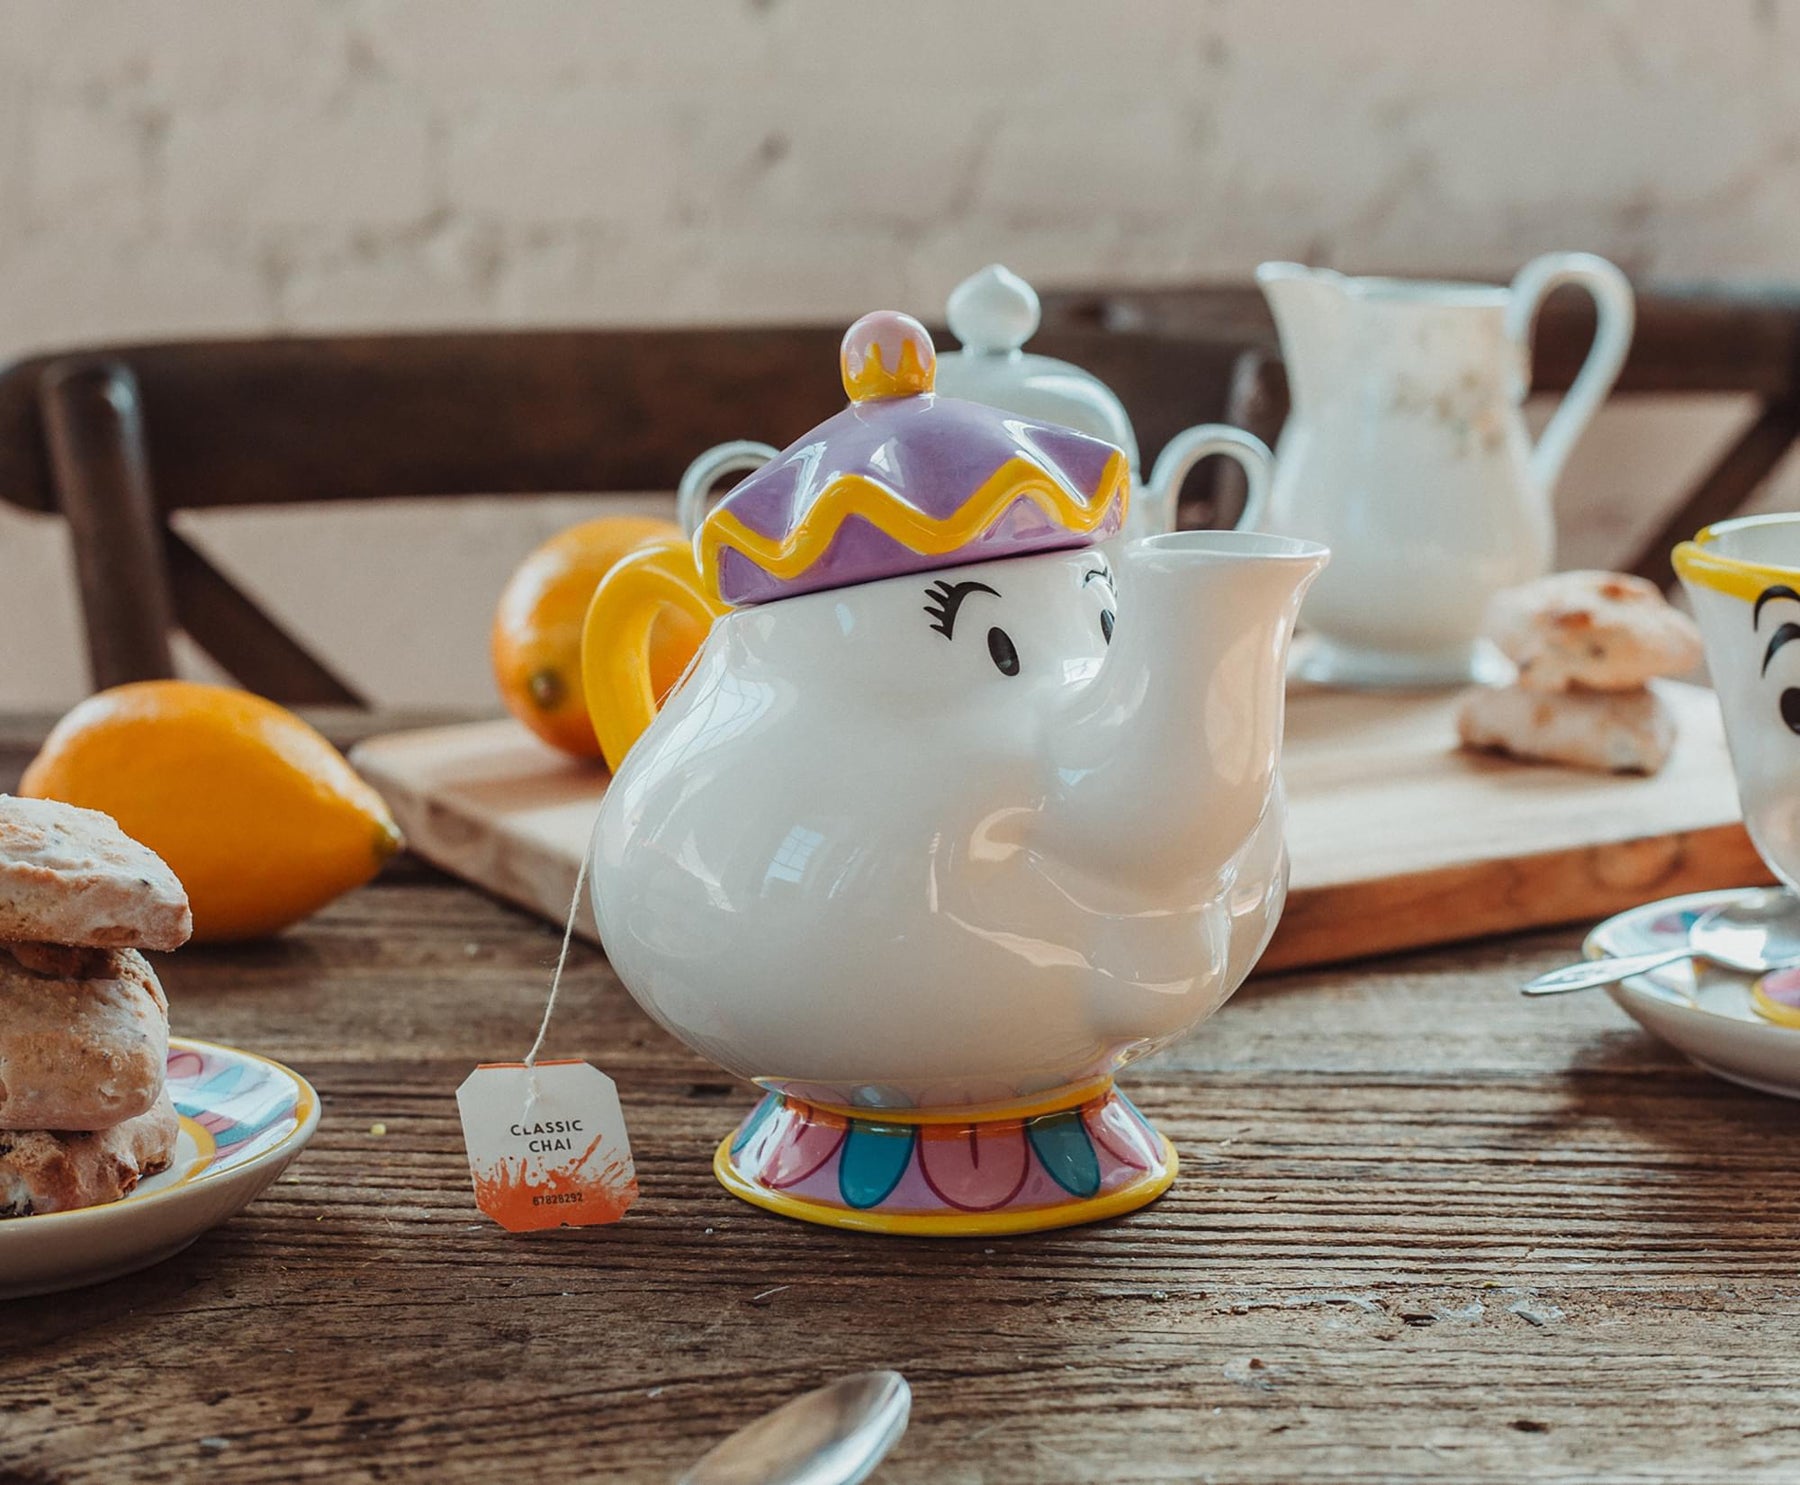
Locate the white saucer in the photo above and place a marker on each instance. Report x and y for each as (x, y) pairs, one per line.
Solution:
(243, 1119)
(1707, 1016)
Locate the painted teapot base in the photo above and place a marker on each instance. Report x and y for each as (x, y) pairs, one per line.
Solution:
(936, 1175)
(1329, 662)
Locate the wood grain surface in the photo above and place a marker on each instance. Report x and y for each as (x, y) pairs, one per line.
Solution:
(1424, 1230)
(1399, 839)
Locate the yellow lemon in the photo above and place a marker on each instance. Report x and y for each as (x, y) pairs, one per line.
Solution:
(260, 817)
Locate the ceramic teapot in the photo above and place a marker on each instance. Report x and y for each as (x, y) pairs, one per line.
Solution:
(1406, 450)
(994, 313)
(938, 832)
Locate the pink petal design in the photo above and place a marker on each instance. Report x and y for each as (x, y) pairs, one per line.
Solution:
(1123, 1135)
(184, 1065)
(1782, 987)
(977, 1168)
(807, 1141)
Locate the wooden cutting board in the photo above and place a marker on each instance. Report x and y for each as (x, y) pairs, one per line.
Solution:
(1398, 839)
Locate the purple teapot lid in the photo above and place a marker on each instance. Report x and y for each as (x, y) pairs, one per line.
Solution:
(906, 481)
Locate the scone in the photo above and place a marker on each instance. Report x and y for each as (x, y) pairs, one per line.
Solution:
(84, 1037)
(1595, 631)
(1616, 732)
(72, 876)
(48, 1171)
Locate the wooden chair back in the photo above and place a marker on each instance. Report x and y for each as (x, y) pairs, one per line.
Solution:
(118, 438)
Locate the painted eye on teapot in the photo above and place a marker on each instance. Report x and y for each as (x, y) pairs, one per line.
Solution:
(943, 600)
(1102, 574)
(1005, 655)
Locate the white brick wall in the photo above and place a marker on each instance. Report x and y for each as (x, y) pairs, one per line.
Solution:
(178, 167)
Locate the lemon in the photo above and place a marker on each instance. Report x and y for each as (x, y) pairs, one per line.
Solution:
(260, 817)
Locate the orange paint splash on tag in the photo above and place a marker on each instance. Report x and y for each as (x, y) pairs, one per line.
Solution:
(567, 1196)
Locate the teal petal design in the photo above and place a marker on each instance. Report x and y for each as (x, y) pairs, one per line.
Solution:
(874, 1159)
(1064, 1149)
(224, 1081)
(759, 1116)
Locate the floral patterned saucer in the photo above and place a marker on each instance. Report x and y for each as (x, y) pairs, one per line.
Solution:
(1705, 1012)
(243, 1119)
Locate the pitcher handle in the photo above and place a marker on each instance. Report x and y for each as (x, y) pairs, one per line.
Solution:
(740, 456)
(615, 637)
(1616, 307)
(1188, 447)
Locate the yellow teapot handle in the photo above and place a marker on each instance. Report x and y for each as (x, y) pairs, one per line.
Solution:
(615, 637)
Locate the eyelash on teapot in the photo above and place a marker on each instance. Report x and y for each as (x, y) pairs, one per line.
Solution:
(944, 599)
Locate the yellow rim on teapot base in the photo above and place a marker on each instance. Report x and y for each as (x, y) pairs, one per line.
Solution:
(970, 1224)
(961, 1176)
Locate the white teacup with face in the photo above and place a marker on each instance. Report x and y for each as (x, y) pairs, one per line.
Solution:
(1743, 578)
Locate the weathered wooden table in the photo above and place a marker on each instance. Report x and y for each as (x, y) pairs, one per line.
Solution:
(1424, 1229)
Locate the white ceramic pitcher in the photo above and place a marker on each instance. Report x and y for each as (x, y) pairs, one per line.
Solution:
(1406, 451)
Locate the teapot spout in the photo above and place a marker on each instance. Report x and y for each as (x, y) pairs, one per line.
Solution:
(1311, 308)
(1167, 768)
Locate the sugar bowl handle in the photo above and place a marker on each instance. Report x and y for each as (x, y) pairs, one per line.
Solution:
(740, 456)
(1612, 296)
(1188, 447)
(615, 638)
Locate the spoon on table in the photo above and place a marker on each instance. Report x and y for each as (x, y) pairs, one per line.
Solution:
(1754, 936)
(832, 1436)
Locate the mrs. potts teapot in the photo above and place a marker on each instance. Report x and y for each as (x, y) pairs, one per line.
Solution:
(994, 313)
(938, 833)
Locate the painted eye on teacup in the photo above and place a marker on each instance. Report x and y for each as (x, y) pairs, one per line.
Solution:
(1784, 633)
(1790, 708)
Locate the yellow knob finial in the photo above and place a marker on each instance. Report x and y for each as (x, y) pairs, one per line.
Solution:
(887, 354)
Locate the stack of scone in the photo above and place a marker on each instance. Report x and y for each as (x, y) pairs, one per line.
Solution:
(84, 1025)
(1587, 645)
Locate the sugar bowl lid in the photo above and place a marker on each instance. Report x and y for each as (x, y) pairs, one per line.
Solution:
(993, 313)
(904, 481)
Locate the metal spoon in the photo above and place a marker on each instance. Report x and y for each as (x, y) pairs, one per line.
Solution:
(833, 1436)
(1754, 936)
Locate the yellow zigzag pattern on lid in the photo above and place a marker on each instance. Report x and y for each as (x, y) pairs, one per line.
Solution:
(857, 495)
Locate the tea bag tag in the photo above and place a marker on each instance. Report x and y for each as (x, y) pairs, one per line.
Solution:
(546, 1140)
(547, 1144)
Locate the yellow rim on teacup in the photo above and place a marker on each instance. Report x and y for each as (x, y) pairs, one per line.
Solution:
(1696, 562)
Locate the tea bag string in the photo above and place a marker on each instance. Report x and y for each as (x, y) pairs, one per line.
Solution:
(562, 959)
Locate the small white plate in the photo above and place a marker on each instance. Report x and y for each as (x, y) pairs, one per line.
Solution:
(1705, 1014)
(243, 1119)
